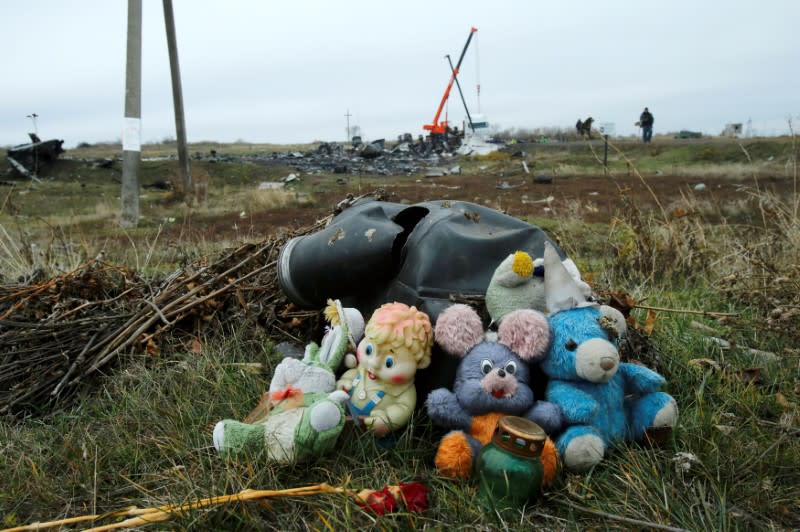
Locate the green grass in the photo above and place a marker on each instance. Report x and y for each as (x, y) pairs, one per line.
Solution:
(144, 439)
(695, 157)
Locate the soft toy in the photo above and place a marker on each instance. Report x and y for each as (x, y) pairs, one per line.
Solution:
(305, 413)
(518, 283)
(397, 341)
(491, 382)
(603, 401)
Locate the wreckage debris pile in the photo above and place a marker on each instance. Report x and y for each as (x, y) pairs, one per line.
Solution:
(58, 335)
(406, 157)
(29, 159)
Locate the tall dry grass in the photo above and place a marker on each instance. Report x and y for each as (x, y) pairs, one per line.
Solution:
(24, 259)
(757, 264)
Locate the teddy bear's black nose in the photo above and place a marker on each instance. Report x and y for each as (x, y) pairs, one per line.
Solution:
(501, 373)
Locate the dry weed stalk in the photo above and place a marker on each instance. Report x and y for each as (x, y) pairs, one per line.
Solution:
(680, 244)
(137, 517)
(408, 496)
(650, 247)
(768, 277)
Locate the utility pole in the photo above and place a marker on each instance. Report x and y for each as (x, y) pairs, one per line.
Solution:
(177, 102)
(347, 116)
(132, 132)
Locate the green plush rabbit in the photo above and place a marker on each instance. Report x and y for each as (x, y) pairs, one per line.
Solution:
(305, 413)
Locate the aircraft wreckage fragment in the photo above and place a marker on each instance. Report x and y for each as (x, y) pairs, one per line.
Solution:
(28, 159)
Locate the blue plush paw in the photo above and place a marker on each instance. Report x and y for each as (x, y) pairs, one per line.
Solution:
(657, 409)
(581, 448)
(639, 379)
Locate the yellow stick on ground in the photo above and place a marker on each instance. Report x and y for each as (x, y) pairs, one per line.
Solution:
(144, 516)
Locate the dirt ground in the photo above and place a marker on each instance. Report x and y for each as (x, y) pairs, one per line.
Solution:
(588, 198)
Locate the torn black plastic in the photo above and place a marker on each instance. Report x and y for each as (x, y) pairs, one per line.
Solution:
(376, 252)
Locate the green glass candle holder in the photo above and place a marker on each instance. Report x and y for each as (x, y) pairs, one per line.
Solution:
(509, 468)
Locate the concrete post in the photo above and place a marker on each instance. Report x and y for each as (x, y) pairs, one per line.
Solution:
(177, 99)
(132, 132)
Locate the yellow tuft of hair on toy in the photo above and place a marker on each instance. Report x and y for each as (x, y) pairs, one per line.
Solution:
(331, 313)
(522, 264)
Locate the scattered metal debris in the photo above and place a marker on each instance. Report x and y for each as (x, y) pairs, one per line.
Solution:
(406, 157)
(548, 200)
(271, 185)
(505, 185)
(436, 172)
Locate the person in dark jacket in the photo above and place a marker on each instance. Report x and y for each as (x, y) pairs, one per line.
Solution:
(646, 123)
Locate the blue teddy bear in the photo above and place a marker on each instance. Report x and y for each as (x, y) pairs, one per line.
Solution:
(603, 401)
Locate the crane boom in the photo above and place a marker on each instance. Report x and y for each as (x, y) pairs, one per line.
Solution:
(438, 128)
(458, 86)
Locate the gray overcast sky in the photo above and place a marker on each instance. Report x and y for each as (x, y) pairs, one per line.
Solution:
(288, 71)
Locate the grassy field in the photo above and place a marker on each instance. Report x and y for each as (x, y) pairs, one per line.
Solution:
(142, 435)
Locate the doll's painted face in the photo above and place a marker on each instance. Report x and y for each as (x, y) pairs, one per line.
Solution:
(392, 365)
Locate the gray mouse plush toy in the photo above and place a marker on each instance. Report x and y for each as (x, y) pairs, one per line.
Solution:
(492, 381)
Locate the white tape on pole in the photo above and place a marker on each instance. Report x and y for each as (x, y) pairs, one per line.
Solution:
(132, 135)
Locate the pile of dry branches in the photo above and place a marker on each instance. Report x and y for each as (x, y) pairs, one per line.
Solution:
(55, 335)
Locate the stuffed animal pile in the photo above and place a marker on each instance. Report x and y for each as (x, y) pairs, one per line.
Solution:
(592, 401)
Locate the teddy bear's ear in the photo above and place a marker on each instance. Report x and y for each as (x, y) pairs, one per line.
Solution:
(613, 321)
(458, 329)
(526, 332)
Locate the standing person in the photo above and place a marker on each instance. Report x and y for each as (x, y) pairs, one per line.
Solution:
(646, 123)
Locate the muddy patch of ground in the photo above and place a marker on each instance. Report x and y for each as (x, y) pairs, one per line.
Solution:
(588, 198)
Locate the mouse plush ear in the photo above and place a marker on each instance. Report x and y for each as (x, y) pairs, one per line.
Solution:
(527, 333)
(458, 329)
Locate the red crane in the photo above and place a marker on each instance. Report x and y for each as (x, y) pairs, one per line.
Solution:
(439, 128)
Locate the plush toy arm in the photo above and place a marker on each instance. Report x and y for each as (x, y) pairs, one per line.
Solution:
(310, 352)
(639, 379)
(445, 410)
(331, 354)
(547, 415)
(576, 406)
(350, 361)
